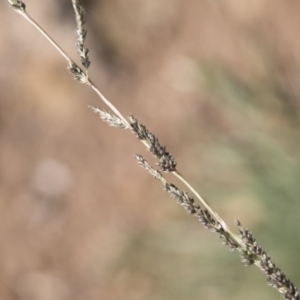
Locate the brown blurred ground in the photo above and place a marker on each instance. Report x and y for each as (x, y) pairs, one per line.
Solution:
(217, 81)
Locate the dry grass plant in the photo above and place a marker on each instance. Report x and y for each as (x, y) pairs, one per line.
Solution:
(250, 251)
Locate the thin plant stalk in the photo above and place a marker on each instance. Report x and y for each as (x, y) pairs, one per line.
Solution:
(250, 251)
(86, 80)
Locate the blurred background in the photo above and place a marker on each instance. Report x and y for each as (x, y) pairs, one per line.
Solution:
(216, 81)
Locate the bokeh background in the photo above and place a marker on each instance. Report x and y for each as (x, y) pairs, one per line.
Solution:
(216, 81)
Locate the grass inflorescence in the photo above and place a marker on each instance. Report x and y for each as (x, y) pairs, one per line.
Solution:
(250, 251)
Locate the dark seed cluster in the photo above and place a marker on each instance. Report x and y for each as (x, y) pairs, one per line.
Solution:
(17, 5)
(188, 203)
(254, 254)
(78, 73)
(251, 253)
(202, 214)
(167, 162)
